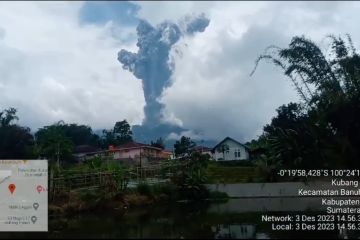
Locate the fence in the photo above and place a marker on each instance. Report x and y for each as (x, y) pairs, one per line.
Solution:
(75, 180)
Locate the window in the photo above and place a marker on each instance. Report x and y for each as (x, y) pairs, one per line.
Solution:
(237, 153)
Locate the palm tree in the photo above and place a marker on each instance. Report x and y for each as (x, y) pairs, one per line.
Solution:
(329, 85)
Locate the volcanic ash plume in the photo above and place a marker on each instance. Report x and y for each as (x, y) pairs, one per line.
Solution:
(150, 63)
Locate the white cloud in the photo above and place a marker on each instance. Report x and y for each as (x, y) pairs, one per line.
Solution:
(212, 91)
(52, 68)
(157, 11)
(188, 133)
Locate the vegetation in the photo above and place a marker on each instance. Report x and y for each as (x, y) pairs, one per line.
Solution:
(53, 144)
(16, 142)
(144, 188)
(120, 134)
(321, 131)
(223, 148)
(184, 146)
(218, 195)
(190, 178)
(218, 173)
(159, 143)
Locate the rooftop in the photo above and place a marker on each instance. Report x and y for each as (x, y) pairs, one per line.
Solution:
(134, 145)
(203, 149)
(85, 149)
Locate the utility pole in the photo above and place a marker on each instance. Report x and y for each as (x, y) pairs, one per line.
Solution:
(58, 155)
(140, 165)
(202, 146)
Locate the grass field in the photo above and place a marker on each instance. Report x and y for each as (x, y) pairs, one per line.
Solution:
(230, 174)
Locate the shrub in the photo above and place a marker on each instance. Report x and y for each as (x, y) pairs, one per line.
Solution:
(144, 189)
(88, 195)
(218, 195)
(239, 163)
(194, 192)
(168, 189)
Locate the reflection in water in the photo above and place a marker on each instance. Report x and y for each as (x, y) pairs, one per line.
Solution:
(181, 220)
(239, 231)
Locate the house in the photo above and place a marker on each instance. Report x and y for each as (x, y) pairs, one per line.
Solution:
(230, 150)
(204, 150)
(83, 153)
(167, 154)
(139, 153)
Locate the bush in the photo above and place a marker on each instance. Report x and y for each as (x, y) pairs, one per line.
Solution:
(250, 179)
(144, 189)
(218, 195)
(194, 192)
(167, 189)
(239, 163)
(88, 195)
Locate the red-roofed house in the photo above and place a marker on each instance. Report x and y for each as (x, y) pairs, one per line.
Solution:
(138, 152)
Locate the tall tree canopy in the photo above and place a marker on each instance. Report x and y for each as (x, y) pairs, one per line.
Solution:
(323, 130)
(158, 143)
(80, 134)
(184, 146)
(120, 134)
(16, 142)
(53, 144)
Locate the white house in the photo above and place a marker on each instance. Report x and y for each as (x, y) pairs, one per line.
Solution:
(230, 150)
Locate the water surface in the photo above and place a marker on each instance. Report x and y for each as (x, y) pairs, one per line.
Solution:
(236, 218)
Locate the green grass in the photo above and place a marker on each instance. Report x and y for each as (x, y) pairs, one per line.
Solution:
(230, 174)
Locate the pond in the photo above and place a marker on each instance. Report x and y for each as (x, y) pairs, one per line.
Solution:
(235, 218)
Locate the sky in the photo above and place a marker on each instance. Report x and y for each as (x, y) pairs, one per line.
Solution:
(58, 61)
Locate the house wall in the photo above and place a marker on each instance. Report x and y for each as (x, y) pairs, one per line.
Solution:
(146, 154)
(230, 155)
(208, 152)
(131, 153)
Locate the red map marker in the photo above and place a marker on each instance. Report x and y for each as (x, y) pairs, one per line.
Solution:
(39, 188)
(12, 188)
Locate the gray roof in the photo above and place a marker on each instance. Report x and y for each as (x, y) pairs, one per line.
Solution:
(229, 138)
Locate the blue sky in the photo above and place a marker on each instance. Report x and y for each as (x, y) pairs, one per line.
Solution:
(100, 12)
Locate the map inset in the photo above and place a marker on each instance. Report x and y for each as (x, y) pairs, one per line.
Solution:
(23, 195)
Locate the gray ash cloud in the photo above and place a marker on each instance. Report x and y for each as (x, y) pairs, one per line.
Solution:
(151, 65)
(151, 62)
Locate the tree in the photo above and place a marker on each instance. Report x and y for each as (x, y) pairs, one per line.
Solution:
(191, 179)
(16, 142)
(122, 132)
(53, 143)
(288, 116)
(107, 138)
(223, 148)
(324, 131)
(7, 117)
(80, 134)
(184, 146)
(159, 143)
